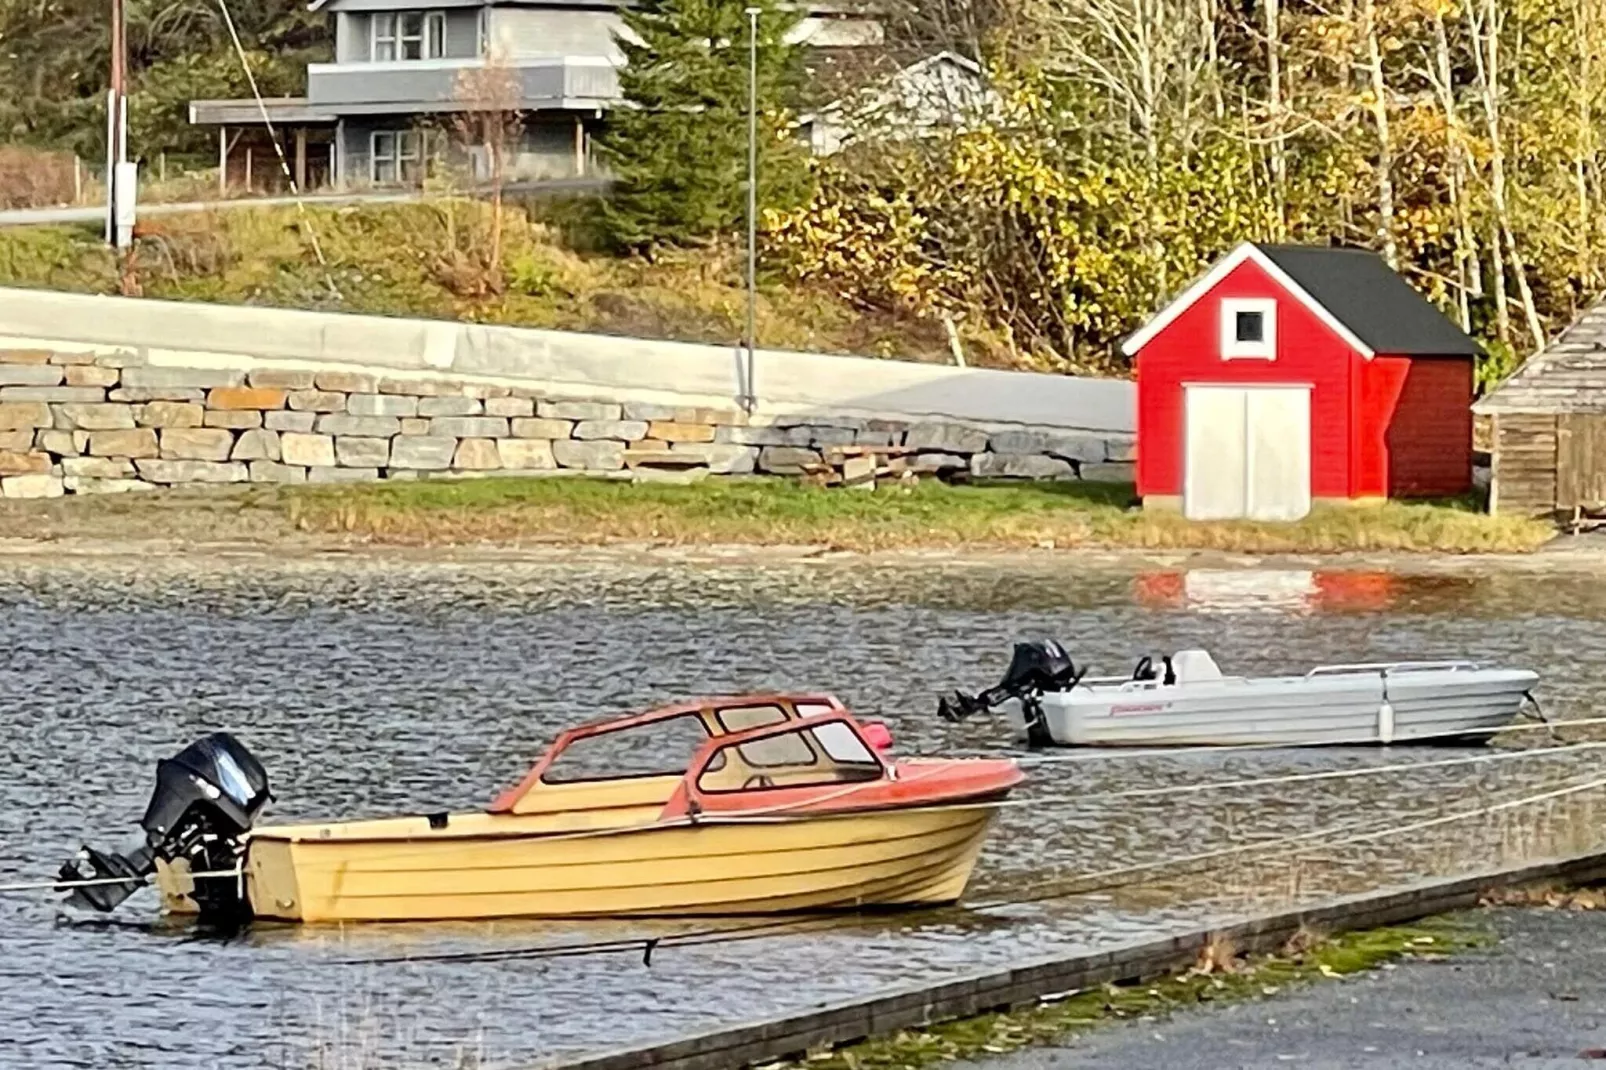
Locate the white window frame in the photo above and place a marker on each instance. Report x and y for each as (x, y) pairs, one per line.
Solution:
(406, 149)
(434, 35)
(1231, 347)
(388, 32)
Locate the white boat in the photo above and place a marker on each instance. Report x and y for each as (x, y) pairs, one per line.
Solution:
(1191, 702)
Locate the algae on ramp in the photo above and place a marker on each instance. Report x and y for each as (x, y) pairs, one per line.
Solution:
(1219, 977)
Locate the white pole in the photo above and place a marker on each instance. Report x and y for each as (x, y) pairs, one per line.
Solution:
(111, 167)
(123, 182)
(751, 401)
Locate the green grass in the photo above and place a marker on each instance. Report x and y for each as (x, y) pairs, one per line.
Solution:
(1219, 978)
(408, 260)
(930, 514)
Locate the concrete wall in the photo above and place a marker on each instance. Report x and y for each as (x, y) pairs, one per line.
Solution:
(100, 394)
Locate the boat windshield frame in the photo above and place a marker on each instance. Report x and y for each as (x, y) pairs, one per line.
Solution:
(691, 796)
(707, 710)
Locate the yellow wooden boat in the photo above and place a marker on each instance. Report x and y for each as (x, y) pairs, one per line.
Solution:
(748, 805)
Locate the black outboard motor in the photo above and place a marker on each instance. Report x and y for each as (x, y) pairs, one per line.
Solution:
(207, 797)
(1036, 667)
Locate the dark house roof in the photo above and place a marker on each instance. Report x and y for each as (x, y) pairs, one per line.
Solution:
(1369, 297)
(1353, 291)
(1568, 375)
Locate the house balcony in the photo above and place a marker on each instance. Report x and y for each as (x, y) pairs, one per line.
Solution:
(569, 83)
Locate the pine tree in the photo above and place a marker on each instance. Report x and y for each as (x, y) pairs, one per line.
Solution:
(677, 147)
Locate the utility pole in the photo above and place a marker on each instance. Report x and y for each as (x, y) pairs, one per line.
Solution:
(750, 402)
(119, 172)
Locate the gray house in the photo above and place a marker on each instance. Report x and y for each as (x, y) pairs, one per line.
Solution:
(403, 75)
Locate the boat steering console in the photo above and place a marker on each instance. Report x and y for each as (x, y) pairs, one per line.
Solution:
(1037, 667)
(1145, 670)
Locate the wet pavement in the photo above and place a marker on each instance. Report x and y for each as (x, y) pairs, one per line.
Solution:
(1535, 1000)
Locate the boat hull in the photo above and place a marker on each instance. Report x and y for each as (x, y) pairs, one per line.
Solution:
(1351, 708)
(834, 862)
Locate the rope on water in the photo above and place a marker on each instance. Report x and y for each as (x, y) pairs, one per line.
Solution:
(779, 813)
(97, 882)
(1118, 877)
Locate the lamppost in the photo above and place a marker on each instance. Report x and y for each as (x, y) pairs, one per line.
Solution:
(750, 401)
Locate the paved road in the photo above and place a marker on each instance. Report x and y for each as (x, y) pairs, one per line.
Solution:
(20, 217)
(1536, 1000)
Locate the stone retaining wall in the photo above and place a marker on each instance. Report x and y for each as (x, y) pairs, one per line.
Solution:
(96, 420)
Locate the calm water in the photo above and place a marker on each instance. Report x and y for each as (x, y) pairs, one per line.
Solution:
(369, 688)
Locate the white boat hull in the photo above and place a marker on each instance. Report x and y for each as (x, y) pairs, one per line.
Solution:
(1340, 707)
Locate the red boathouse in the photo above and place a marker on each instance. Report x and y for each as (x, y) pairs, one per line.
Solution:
(1288, 374)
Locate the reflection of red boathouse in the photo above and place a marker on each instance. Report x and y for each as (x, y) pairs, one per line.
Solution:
(1336, 591)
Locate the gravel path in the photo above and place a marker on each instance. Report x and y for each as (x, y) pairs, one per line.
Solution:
(1537, 999)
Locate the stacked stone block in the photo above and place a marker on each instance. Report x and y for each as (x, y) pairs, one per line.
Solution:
(83, 423)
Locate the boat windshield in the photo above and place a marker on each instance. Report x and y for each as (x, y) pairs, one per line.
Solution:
(828, 753)
(655, 748)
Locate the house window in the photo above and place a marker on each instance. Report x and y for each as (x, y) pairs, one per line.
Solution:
(1248, 328)
(395, 157)
(409, 35)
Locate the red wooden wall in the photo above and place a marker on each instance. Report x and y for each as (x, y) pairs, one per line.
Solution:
(1189, 351)
(1417, 435)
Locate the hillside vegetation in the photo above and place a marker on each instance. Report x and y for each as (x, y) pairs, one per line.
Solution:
(427, 260)
(1120, 147)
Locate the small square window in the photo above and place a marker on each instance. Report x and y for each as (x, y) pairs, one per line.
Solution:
(1248, 328)
(1251, 326)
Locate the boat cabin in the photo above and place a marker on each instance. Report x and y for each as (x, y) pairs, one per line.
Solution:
(699, 755)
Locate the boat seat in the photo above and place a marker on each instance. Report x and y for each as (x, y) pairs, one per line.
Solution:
(1195, 666)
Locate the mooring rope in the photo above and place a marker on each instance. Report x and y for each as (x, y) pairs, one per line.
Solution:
(1370, 829)
(785, 813)
(97, 882)
(734, 934)
(769, 815)
(1117, 877)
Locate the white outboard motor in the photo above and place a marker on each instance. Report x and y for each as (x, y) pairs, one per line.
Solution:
(207, 797)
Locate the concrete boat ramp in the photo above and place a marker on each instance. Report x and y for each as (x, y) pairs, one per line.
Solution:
(927, 1004)
(1536, 1000)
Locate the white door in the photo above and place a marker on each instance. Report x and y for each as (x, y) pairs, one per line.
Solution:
(1247, 453)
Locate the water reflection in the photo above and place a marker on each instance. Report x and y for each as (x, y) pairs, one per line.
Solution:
(1207, 590)
(371, 688)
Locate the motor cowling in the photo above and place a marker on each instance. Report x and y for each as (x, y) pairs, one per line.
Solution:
(1036, 667)
(206, 799)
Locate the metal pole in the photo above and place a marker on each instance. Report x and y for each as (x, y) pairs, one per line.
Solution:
(751, 401)
(114, 121)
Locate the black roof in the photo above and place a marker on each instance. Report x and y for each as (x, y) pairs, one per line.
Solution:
(1369, 297)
